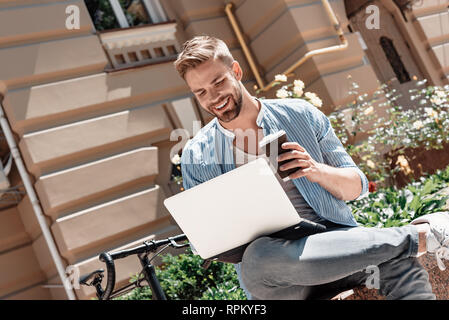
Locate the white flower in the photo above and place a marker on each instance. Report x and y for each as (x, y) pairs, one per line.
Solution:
(370, 164)
(317, 102)
(298, 83)
(280, 77)
(298, 91)
(431, 112)
(368, 111)
(418, 124)
(282, 94)
(408, 195)
(403, 163)
(388, 212)
(314, 99)
(436, 100)
(310, 95)
(176, 159)
(440, 94)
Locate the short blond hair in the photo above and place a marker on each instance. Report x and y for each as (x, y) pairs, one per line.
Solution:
(199, 50)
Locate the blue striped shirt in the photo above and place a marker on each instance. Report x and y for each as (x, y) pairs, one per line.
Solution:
(210, 152)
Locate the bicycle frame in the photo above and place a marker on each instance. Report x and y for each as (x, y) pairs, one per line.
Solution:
(150, 276)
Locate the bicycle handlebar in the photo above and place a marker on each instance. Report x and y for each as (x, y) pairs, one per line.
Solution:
(146, 247)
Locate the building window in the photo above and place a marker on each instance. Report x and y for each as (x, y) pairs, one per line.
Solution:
(113, 14)
(145, 54)
(395, 60)
(120, 59)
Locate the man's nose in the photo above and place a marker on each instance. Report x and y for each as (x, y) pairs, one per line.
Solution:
(214, 96)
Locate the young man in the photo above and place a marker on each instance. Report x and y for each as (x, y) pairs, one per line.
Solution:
(317, 266)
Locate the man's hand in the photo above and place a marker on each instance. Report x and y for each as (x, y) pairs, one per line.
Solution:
(302, 160)
(342, 183)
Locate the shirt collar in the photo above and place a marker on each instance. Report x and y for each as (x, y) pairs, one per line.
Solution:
(258, 121)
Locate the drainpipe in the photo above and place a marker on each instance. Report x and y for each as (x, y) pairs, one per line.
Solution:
(308, 55)
(246, 51)
(35, 202)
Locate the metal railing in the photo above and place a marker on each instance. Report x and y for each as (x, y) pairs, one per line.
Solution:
(28, 184)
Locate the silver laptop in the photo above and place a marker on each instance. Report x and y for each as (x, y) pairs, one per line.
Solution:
(226, 213)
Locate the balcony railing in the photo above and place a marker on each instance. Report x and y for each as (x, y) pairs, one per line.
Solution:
(140, 45)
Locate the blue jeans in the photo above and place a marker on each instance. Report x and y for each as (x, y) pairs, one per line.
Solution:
(322, 265)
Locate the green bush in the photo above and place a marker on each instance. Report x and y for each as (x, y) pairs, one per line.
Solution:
(183, 278)
(392, 207)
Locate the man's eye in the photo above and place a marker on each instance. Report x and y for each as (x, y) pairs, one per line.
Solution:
(219, 83)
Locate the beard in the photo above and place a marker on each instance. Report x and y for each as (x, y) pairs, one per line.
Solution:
(236, 101)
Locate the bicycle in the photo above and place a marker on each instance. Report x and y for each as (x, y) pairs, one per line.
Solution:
(142, 252)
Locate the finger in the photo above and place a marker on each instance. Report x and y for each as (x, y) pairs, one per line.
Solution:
(294, 154)
(300, 173)
(292, 145)
(296, 163)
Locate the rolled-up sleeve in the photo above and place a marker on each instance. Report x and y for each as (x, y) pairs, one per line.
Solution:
(333, 151)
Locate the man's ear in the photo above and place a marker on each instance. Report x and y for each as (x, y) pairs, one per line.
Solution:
(237, 70)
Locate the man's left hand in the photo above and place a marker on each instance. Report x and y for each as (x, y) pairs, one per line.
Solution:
(301, 159)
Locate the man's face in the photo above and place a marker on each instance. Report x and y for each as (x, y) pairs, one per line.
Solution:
(217, 88)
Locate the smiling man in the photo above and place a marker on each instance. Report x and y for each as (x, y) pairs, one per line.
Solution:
(317, 266)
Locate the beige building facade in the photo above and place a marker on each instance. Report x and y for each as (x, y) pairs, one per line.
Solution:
(93, 113)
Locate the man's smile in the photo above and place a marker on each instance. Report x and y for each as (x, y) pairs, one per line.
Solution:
(222, 106)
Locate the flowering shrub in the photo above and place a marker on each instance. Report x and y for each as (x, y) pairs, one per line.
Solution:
(387, 125)
(295, 90)
(396, 132)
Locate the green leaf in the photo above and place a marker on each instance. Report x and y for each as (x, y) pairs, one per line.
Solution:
(402, 202)
(428, 187)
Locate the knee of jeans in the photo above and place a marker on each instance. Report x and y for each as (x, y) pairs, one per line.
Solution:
(405, 278)
(254, 262)
(255, 253)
